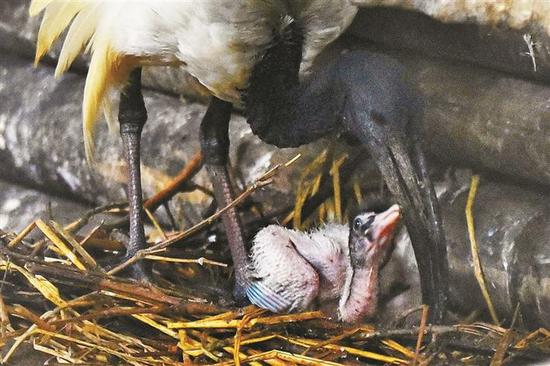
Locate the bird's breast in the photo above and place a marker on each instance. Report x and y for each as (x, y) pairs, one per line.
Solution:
(219, 42)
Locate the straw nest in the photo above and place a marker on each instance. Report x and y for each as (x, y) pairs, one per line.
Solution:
(57, 297)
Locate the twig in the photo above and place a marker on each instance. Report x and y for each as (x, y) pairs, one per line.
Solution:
(110, 313)
(326, 188)
(411, 332)
(88, 236)
(404, 315)
(76, 245)
(200, 261)
(478, 270)
(283, 356)
(190, 169)
(21, 235)
(421, 332)
(335, 173)
(238, 337)
(4, 316)
(99, 281)
(305, 187)
(58, 242)
(505, 342)
(524, 342)
(332, 340)
(82, 221)
(30, 316)
(268, 320)
(528, 38)
(305, 342)
(261, 182)
(155, 223)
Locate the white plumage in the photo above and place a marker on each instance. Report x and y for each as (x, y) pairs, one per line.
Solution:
(317, 260)
(216, 41)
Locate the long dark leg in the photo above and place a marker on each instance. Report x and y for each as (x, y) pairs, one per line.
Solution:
(132, 117)
(215, 149)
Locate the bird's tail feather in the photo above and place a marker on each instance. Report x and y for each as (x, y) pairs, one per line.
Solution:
(108, 69)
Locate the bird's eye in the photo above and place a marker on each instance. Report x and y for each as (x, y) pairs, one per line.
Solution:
(357, 224)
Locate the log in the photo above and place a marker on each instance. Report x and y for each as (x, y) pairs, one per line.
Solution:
(512, 229)
(42, 137)
(485, 119)
(19, 206)
(517, 14)
(512, 226)
(487, 46)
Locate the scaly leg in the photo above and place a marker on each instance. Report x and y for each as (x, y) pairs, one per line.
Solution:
(215, 149)
(132, 117)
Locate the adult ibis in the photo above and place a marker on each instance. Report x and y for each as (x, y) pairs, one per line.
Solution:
(257, 54)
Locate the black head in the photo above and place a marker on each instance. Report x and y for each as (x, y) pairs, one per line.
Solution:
(371, 235)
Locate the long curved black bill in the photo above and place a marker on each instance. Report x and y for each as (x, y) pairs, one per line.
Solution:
(404, 170)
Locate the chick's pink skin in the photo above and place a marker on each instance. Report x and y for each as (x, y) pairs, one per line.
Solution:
(360, 293)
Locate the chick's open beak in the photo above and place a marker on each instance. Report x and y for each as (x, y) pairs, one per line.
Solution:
(385, 225)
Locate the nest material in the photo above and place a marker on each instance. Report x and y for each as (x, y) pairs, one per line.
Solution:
(56, 297)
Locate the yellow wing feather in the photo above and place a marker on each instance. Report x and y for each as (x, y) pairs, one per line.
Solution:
(57, 17)
(37, 6)
(108, 69)
(78, 37)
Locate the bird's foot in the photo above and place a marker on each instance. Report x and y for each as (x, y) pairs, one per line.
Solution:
(239, 295)
(242, 283)
(140, 271)
(127, 266)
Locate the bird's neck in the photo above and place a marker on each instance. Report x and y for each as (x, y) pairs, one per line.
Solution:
(359, 294)
(280, 109)
(278, 70)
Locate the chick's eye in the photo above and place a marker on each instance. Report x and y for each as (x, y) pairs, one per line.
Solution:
(357, 224)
